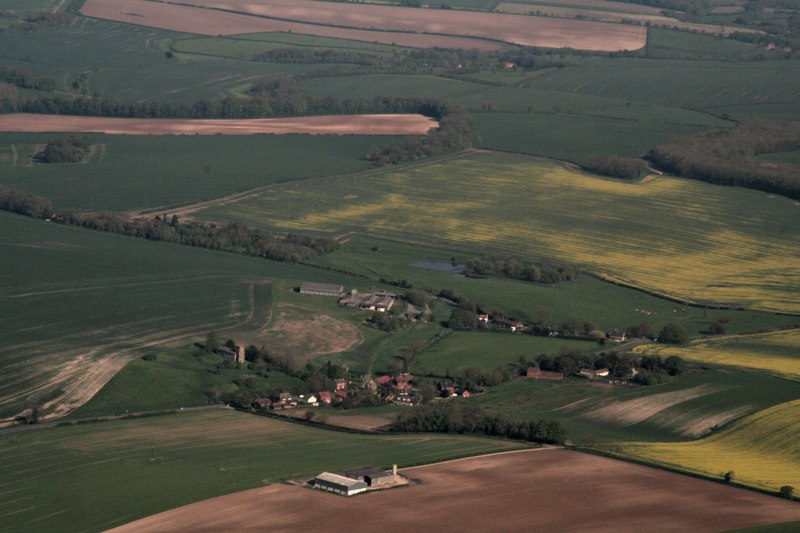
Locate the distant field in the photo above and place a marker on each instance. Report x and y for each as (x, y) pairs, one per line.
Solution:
(189, 19)
(128, 172)
(77, 305)
(733, 244)
(489, 351)
(776, 353)
(760, 449)
(307, 16)
(162, 463)
(100, 55)
(791, 158)
(622, 15)
(588, 298)
(317, 125)
(599, 415)
(569, 491)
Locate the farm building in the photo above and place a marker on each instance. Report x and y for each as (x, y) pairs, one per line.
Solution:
(339, 484)
(374, 477)
(321, 289)
(535, 373)
(616, 335)
(378, 301)
(234, 355)
(591, 374)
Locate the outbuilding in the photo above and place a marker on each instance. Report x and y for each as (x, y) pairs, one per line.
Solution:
(339, 484)
(321, 289)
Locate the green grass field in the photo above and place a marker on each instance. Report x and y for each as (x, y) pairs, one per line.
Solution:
(176, 378)
(129, 172)
(601, 415)
(735, 246)
(588, 298)
(125, 62)
(491, 350)
(76, 305)
(74, 478)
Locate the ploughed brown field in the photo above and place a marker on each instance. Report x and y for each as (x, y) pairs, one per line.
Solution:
(415, 27)
(545, 490)
(317, 125)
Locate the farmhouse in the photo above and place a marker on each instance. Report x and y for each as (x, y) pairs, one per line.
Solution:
(377, 301)
(339, 484)
(616, 335)
(535, 373)
(321, 289)
(234, 355)
(341, 384)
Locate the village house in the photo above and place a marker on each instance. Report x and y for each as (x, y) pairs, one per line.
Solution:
(325, 398)
(483, 318)
(310, 401)
(341, 384)
(588, 373)
(341, 394)
(534, 373)
(616, 335)
(264, 404)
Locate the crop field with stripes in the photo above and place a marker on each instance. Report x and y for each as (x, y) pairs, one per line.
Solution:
(48, 478)
(760, 449)
(680, 238)
(776, 352)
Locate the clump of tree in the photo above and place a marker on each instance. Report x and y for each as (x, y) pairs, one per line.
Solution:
(729, 157)
(616, 166)
(652, 370)
(468, 419)
(521, 269)
(25, 203)
(673, 333)
(66, 149)
(25, 79)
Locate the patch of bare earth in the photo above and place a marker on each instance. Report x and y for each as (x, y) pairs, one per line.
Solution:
(303, 334)
(396, 22)
(408, 124)
(632, 412)
(536, 490)
(361, 422)
(207, 22)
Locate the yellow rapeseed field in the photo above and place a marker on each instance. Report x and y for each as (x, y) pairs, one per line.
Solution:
(761, 449)
(682, 238)
(776, 352)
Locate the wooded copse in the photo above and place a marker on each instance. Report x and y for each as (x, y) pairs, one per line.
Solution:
(616, 166)
(468, 419)
(521, 269)
(65, 149)
(728, 157)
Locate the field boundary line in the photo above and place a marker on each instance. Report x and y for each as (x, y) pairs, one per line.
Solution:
(544, 447)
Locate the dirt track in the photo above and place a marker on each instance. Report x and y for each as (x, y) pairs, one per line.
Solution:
(544, 490)
(317, 125)
(311, 17)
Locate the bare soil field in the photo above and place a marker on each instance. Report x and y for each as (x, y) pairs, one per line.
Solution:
(188, 19)
(317, 125)
(304, 334)
(545, 489)
(315, 16)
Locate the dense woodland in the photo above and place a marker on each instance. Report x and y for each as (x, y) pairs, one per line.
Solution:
(729, 157)
(521, 269)
(468, 419)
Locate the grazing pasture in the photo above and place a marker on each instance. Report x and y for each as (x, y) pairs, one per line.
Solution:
(546, 489)
(587, 298)
(401, 24)
(777, 352)
(761, 449)
(599, 415)
(733, 244)
(136, 172)
(165, 462)
(77, 305)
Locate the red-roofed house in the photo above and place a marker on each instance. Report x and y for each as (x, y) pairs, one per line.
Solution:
(325, 397)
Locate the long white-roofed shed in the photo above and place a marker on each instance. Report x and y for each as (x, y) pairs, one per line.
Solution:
(339, 484)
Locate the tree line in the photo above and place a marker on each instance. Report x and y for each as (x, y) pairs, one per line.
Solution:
(231, 237)
(25, 79)
(616, 166)
(521, 269)
(729, 157)
(469, 419)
